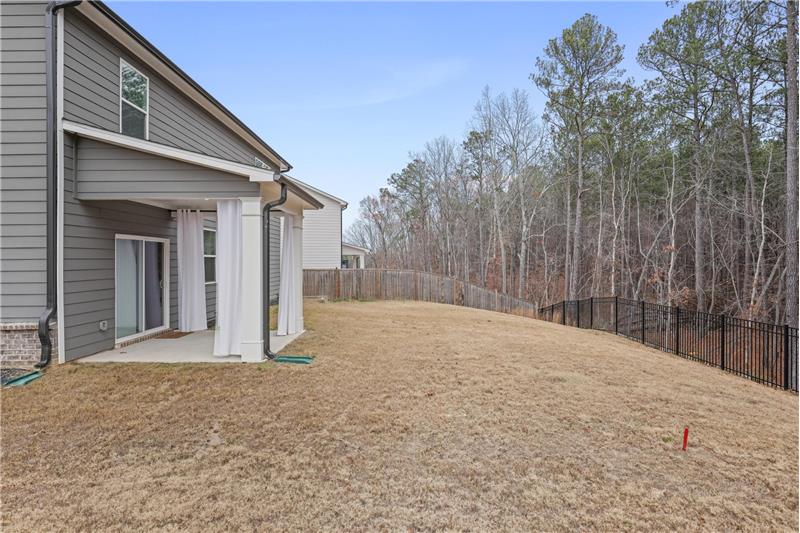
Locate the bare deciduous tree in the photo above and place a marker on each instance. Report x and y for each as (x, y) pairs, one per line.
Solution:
(678, 181)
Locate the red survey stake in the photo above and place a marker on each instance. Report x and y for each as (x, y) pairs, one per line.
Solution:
(685, 437)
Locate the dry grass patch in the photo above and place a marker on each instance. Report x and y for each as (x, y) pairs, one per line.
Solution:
(415, 417)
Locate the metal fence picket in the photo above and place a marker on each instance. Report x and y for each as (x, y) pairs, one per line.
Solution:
(767, 353)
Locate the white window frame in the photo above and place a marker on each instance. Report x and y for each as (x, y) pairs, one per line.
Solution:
(146, 112)
(209, 255)
(165, 289)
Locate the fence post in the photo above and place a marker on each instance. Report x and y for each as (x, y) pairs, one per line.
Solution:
(616, 315)
(722, 344)
(591, 312)
(578, 313)
(786, 365)
(564, 312)
(677, 349)
(642, 322)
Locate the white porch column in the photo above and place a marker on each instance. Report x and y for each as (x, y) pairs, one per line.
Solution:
(252, 304)
(298, 268)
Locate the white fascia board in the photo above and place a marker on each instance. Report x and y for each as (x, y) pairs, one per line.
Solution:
(252, 173)
(310, 188)
(354, 247)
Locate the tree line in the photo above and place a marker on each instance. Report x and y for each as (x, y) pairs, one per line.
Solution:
(681, 189)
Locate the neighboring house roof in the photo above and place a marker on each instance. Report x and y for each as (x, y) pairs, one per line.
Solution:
(353, 246)
(299, 191)
(99, 13)
(314, 190)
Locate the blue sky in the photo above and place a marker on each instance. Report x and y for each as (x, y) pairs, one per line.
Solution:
(345, 91)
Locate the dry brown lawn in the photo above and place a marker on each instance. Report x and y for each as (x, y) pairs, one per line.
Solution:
(413, 417)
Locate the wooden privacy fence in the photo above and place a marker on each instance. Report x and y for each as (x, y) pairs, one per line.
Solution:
(379, 284)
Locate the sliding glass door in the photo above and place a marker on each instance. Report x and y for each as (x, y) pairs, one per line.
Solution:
(140, 290)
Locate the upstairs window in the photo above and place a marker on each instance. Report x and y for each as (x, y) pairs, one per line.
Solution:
(134, 91)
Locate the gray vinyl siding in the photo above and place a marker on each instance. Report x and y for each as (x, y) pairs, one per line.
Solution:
(23, 207)
(105, 170)
(211, 303)
(322, 235)
(274, 257)
(91, 97)
(89, 248)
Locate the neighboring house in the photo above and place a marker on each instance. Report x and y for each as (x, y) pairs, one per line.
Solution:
(104, 143)
(353, 256)
(322, 230)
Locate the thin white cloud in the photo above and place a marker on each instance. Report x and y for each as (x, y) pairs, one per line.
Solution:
(374, 85)
(404, 82)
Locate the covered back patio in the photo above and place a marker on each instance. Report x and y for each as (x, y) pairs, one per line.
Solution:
(195, 289)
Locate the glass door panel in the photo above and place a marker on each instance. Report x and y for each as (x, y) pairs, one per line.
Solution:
(153, 284)
(128, 293)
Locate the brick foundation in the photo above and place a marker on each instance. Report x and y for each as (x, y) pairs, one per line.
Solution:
(19, 343)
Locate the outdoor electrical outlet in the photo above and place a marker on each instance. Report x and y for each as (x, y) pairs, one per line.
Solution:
(104, 325)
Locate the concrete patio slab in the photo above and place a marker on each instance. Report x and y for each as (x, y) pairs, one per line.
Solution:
(193, 348)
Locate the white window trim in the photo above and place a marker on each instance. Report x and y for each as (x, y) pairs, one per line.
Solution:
(209, 255)
(165, 289)
(146, 112)
(62, 358)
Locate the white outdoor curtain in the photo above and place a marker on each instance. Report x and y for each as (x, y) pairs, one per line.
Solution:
(191, 272)
(228, 335)
(287, 305)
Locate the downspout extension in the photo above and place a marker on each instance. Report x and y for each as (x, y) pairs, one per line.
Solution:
(52, 186)
(265, 254)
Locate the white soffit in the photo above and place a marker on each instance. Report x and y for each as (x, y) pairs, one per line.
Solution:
(118, 139)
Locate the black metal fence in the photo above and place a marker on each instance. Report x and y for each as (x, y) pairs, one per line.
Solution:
(766, 353)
